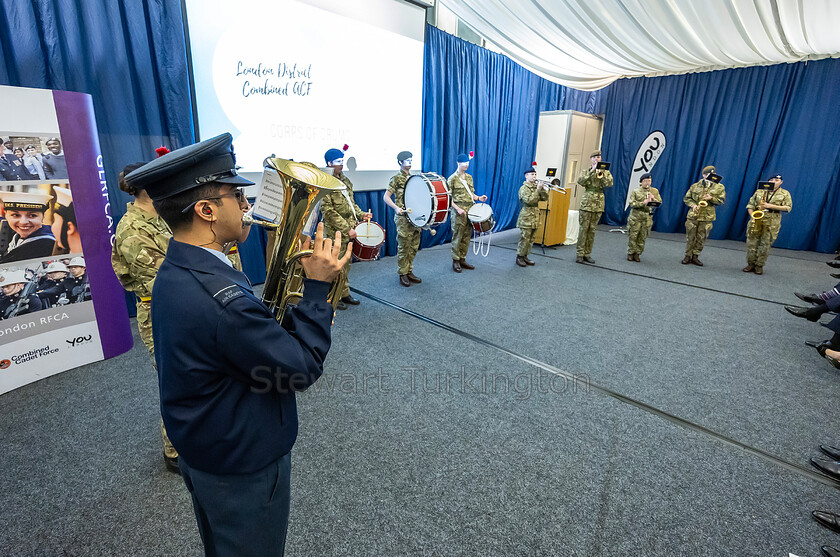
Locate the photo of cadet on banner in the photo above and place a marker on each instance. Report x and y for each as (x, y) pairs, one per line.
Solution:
(60, 304)
(32, 158)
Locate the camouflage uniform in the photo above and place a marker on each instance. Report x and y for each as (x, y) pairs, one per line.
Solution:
(591, 207)
(234, 257)
(761, 236)
(462, 191)
(530, 196)
(640, 220)
(338, 215)
(139, 249)
(698, 223)
(408, 235)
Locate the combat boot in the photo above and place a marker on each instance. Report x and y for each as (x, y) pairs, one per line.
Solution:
(696, 261)
(467, 266)
(520, 261)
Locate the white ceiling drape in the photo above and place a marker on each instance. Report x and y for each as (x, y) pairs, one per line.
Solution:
(587, 44)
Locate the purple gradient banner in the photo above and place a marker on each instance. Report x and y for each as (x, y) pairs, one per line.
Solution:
(86, 174)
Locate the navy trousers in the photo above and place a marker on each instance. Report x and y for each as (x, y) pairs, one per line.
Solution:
(241, 514)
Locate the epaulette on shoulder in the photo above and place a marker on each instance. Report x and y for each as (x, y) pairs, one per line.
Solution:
(222, 289)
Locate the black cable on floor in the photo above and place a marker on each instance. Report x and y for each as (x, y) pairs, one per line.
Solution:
(795, 468)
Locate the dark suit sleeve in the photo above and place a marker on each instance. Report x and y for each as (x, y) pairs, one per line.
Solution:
(833, 303)
(259, 346)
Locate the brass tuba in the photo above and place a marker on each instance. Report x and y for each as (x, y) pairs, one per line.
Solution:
(304, 185)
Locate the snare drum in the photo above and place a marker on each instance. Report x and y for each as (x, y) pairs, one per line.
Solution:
(427, 195)
(369, 239)
(481, 217)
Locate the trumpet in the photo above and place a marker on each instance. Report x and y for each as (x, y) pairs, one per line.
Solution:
(554, 185)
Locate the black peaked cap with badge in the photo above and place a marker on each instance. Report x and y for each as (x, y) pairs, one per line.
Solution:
(211, 160)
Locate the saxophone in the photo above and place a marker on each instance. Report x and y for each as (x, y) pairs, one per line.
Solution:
(757, 217)
(304, 185)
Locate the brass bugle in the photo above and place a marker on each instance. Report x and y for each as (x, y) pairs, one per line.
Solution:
(552, 185)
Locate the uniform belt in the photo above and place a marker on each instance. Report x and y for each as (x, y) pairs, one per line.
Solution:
(772, 211)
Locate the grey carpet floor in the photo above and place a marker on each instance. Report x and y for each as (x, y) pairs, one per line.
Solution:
(421, 441)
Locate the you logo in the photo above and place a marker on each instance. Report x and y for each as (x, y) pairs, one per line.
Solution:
(78, 341)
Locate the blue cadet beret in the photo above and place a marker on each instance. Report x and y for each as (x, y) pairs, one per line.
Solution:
(211, 160)
(777, 177)
(404, 155)
(333, 154)
(462, 158)
(644, 176)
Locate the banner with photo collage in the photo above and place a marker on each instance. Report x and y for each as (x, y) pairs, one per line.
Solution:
(60, 303)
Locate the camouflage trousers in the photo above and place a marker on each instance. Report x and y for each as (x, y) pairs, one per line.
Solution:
(586, 236)
(639, 224)
(461, 234)
(144, 325)
(408, 244)
(760, 238)
(526, 241)
(696, 233)
(345, 272)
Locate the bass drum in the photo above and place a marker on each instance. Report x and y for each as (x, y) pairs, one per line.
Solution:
(427, 197)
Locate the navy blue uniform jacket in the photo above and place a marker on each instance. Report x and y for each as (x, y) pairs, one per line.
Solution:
(227, 370)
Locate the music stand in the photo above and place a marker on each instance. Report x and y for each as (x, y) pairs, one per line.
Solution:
(545, 224)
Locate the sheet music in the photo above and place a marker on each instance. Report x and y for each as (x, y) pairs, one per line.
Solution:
(269, 204)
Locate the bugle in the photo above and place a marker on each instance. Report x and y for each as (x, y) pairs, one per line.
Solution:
(554, 185)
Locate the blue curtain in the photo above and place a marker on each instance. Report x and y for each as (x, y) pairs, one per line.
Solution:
(750, 123)
(130, 56)
(478, 100)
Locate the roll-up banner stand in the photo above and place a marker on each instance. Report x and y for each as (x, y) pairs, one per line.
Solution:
(61, 305)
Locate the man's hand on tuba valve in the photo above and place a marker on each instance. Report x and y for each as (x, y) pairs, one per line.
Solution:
(324, 263)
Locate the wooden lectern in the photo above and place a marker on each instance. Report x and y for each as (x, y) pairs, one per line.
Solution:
(556, 211)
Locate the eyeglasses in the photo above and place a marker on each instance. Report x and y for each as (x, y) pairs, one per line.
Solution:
(237, 194)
